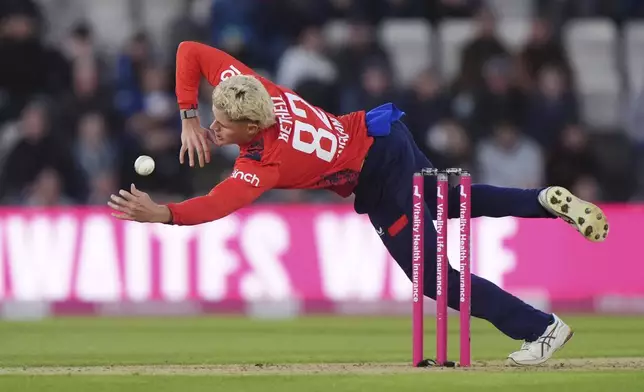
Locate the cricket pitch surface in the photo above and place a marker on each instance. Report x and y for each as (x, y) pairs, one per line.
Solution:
(570, 364)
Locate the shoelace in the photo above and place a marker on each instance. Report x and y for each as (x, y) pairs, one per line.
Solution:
(543, 341)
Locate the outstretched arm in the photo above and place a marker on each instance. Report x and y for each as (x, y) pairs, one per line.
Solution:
(224, 199)
(195, 60)
(247, 182)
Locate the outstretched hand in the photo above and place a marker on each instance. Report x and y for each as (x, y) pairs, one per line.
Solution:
(138, 206)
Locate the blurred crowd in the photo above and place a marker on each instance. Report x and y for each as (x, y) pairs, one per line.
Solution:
(74, 118)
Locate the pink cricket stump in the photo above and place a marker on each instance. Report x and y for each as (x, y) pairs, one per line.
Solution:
(418, 261)
(442, 190)
(465, 283)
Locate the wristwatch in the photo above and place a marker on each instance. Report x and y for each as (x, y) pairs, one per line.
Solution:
(188, 113)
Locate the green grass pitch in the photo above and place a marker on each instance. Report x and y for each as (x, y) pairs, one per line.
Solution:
(310, 354)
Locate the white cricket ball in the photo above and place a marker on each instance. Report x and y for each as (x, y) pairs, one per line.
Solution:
(144, 165)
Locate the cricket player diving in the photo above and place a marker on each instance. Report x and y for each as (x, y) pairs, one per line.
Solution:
(287, 143)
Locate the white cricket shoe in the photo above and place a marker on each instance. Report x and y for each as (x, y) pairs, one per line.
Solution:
(585, 217)
(539, 351)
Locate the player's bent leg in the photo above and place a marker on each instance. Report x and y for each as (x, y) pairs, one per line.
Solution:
(497, 202)
(487, 200)
(588, 219)
(539, 351)
(509, 314)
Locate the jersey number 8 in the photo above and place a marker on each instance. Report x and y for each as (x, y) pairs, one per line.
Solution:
(301, 127)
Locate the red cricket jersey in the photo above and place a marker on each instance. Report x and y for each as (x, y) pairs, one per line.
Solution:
(307, 148)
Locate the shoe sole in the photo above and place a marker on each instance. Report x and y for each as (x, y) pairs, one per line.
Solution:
(587, 218)
(512, 362)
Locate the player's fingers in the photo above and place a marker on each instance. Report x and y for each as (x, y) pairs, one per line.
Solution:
(123, 216)
(117, 203)
(118, 207)
(196, 142)
(200, 157)
(127, 195)
(204, 147)
(134, 190)
(123, 204)
(182, 153)
(191, 153)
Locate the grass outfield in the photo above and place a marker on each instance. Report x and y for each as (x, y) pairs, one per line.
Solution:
(339, 354)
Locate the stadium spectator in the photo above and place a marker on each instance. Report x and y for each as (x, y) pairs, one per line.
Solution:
(37, 150)
(426, 104)
(353, 10)
(375, 89)
(542, 49)
(361, 49)
(485, 45)
(87, 94)
(93, 149)
(46, 191)
(571, 159)
(306, 61)
(550, 108)
(497, 99)
(23, 55)
(509, 159)
(129, 74)
(448, 145)
(402, 8)
(452, 9)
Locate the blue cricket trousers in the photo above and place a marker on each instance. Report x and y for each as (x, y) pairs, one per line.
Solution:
(384, 192)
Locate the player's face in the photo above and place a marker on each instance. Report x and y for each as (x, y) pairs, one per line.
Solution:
(228, 131)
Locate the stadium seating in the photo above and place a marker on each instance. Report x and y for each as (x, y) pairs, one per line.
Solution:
(519, 9)
(592, 45)
(633, 48)
(111, 20)
(409, 44)
(454, 34)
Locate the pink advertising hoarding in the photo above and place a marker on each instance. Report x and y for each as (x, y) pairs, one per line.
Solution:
(319, 257)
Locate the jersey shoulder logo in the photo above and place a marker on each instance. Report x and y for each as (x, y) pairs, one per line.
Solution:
(230, 71)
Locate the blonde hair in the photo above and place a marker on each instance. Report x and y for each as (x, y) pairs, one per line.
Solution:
(244, 98)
